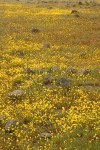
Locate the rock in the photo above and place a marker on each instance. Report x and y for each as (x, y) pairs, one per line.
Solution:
(84, 71)
(71, 71)
(46, 46)
(48, 80)
(16, 94)
(30, 71)
(35, 30)
(11, 125)
(74, 11)
(80, 3)
(45, 135)
(63, 82)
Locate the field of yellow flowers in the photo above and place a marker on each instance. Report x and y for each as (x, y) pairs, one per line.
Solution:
(39, 46)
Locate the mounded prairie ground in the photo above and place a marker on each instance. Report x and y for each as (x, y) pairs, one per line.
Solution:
(43, 47)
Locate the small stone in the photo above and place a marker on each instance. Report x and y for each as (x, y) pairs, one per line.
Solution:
(48, 80)
(71, 71)
(84, 71)
(74, 11)
(35, 30)
(45, 135)
(11, 125)
(64, 83)
(46, 46)
(80, 3)
(16, 94)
